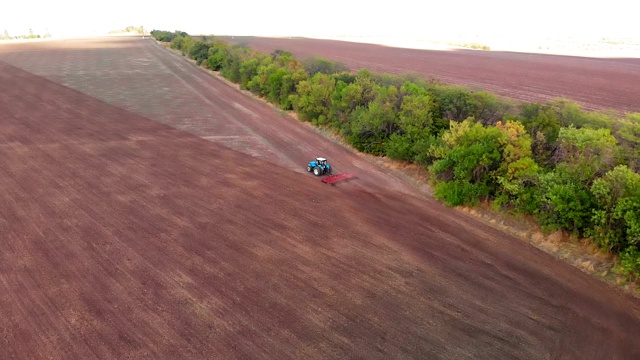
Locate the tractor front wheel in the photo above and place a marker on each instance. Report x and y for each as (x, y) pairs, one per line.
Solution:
(309, 168)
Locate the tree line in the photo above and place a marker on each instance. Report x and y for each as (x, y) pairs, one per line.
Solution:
(31, 35)
(571, 169)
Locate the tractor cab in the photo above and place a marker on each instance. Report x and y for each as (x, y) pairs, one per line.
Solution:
(321, 162)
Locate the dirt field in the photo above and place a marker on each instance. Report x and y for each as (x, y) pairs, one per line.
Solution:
(595, 83)
(132, 228)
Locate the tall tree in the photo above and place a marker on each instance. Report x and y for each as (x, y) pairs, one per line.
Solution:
(518, 173)
(466, 160)
(313, 98)
(617, 215)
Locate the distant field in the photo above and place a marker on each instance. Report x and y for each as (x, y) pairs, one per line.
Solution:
(150, 210)
(595, 83)
(600, 47)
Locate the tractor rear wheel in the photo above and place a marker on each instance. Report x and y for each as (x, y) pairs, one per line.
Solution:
(329, 171)
(317, 171)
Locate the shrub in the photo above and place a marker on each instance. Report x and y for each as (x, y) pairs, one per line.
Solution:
(199, 51)
(566, 202)
(456, 193)
(630, 262)
(314, 65)
(470, 153)
(616, 216)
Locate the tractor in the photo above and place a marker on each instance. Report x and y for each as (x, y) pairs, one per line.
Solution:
(319, 167)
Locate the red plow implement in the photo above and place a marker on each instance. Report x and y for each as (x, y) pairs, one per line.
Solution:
(333, 179)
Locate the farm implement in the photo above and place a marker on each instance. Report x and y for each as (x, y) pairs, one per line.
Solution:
(332, 179)
(319, 167)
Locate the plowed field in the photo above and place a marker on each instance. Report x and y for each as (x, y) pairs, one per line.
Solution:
(149, 210)
(595, 83)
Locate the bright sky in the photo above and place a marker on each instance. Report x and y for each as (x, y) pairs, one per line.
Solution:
(397, 18)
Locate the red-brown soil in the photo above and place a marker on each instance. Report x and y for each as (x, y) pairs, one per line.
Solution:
(595, 83)
(131, 236)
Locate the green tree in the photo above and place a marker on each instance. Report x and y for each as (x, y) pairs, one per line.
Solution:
(566, 202)
(313, 98)
(571, 114)
(414, 125)
(590, 152)
(617, 215)
(232, 59)
(488, 108)
(181, 43)
(199, 51)
(217, 53)
(294, 74)
(455, 103)
(277, 77)
(466, 160)
(373, 124)
(518, 174)
(252, 73)
(566, 199)
(543, 126)
(167, 36)
(628, 136)
(275, 83)
(630, 262)
(350, 95)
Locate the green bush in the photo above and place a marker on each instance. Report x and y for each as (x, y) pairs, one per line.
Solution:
(630, 262)
(543, 126)
(199, 51)
(372, 125)
(314, 65)
(566, 202)
(590, 153)
(517, 177)
(616, 216)
(231, 63)
(470, 153)
(456, 193)
(455, 103)
(167, 36)
(313, 97)
(571, 114)
(217, 55)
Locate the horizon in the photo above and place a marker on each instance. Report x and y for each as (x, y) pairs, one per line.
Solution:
(497, 23)
(569, 19)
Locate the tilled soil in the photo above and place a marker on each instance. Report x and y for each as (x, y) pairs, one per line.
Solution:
(132, 227)
(594, 83)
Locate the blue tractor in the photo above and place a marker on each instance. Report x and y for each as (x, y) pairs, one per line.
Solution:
(319, 167)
